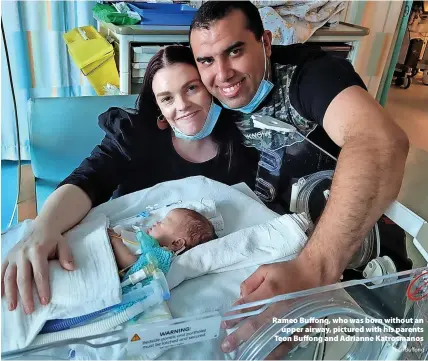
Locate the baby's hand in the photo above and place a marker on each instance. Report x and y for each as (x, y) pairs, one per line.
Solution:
(124, 257)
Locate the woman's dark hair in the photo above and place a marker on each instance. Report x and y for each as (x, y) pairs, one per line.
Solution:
(225, 132)
(146, 102)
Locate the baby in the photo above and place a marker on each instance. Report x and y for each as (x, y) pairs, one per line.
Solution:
(179, 231)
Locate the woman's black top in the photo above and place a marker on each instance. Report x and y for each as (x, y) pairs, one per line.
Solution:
(135, 154)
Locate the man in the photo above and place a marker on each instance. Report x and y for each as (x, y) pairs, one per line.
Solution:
(302, 87)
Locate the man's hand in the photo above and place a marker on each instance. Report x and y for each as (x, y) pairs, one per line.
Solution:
(28, 260)
(269, 281)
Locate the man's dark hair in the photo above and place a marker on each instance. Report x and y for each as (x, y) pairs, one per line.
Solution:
(212, 11)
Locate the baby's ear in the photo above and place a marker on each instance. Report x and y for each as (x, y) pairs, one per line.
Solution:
(178, 243)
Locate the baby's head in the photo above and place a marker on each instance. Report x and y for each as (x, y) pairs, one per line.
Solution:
(182, 229)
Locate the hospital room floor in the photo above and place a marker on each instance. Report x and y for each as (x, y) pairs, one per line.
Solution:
(409, 109)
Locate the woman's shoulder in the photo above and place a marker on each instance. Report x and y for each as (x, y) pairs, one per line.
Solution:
(125, 121)
(124, 127)
(118, 120)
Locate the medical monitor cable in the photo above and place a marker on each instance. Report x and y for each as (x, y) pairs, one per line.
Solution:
(16, 124)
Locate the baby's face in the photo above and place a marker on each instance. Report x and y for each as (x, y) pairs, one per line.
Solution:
(168, 229)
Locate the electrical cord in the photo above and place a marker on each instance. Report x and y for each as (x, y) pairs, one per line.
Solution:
(16, 124)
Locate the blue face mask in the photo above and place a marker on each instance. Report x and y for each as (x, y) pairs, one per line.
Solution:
(208, 127)
(262, 92)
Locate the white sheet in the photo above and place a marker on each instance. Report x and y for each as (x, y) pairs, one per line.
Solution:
(238, 210)
(94, 284)
(214, 291)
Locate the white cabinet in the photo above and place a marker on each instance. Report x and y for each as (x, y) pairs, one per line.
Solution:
(135, 45)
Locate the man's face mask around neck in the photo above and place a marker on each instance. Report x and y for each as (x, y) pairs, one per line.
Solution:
(262, 92)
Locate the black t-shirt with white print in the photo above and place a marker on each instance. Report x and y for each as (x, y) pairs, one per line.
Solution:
(306, 80)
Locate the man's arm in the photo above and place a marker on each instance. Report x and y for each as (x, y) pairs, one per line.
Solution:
(367, 179)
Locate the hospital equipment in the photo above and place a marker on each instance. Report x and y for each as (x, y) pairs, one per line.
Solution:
(148, 270)
(158, 285)
(156, 289)
(378, 267)
(311, 190)
(155, 293)
(147, 246)
(405, 71)
(134, 220)
(66, 323)
(104, 324)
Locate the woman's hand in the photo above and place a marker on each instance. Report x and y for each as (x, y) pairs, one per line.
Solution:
(28, 260)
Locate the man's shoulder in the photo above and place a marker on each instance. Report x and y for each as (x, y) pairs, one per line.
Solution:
(295, 54)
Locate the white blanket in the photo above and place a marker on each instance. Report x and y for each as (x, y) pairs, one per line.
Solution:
(94, 284)
(280, 238)
(217, 281)
(237, 258)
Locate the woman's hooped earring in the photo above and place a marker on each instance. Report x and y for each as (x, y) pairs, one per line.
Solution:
(161, 122)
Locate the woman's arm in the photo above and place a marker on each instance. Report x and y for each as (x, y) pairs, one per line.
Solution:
(92, 183)
(64, 208)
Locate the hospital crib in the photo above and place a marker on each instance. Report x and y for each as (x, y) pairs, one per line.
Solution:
(384, 318)
(401, 295)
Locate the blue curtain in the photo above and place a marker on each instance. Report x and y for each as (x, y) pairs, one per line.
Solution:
(40, 64)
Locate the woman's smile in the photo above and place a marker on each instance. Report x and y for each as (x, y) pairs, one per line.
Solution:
(188, 116)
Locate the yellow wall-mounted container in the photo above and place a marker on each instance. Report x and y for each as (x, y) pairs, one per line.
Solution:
(94, 56)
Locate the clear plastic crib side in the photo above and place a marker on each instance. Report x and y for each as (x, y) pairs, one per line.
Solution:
(363, 319)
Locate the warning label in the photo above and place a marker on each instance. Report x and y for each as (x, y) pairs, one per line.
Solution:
(135, 338)
(174, 334)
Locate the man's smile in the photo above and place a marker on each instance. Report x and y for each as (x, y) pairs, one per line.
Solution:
(231, 91)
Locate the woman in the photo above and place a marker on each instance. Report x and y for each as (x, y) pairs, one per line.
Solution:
(178, 131)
